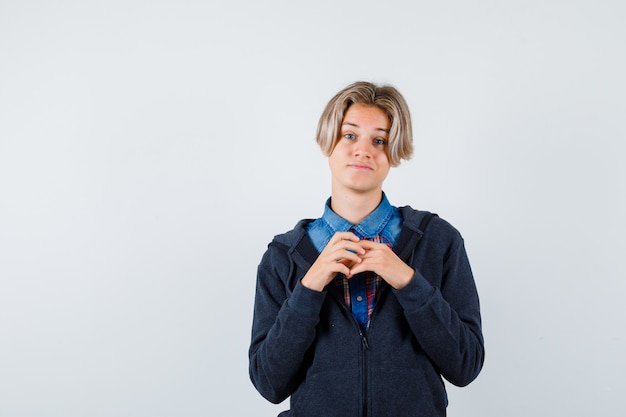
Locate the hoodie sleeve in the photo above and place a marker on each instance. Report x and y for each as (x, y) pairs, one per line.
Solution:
(283, 327)
(444, 314)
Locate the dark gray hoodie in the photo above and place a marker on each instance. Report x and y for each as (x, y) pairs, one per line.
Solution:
(308, 345)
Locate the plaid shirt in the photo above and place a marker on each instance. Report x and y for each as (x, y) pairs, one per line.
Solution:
(360, 288)
(381, 226)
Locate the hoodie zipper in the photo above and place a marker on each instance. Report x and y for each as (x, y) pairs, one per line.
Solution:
(365, 348)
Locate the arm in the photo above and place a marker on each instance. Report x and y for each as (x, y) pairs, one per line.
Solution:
(446, 320)
(285, 320)
(283, 329)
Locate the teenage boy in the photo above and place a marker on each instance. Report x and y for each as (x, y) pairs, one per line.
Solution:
(364, 310)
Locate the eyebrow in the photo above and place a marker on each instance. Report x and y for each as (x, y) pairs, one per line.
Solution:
(355, 125)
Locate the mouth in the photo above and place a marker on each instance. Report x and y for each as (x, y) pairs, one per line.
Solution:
(361, 167)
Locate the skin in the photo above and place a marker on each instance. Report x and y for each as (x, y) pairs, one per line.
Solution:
(359, 165)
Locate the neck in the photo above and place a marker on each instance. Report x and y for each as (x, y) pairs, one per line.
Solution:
(355, 207)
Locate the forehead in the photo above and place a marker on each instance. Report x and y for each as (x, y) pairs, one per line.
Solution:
(366, 116)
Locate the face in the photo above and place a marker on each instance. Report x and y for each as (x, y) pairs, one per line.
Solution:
(359, 162)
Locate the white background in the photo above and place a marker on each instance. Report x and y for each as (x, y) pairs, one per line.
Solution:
(149, 151)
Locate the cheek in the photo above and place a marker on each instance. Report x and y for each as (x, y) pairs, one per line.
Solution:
(333, 161)
(383, 160)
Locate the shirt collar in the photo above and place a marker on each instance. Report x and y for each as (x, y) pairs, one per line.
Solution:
(370, 227)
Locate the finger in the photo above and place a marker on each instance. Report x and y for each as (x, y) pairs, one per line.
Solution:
(358, 268)
(342, 247)
(369, 245)
(341, 268)
(349, 258)
(353, 247)
(339, 236)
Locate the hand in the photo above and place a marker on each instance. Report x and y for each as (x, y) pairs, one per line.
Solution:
(379, 258)
(341, 253)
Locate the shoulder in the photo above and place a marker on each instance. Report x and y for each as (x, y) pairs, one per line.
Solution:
(285, 252)
(438, 242)
(291, 238)
(435, 225)
(282, 246)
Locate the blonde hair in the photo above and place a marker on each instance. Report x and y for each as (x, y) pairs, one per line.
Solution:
(386, 98)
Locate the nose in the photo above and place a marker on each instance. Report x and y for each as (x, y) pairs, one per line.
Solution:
(363, 148)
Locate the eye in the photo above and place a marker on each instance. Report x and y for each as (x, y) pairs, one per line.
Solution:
(349, 136)
(380, 141)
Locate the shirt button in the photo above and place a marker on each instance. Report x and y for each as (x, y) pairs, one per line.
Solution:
(359, 298)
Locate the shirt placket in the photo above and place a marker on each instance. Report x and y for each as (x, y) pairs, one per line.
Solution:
(358, 294)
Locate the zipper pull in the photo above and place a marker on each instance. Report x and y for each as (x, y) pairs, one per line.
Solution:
(364, 341)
